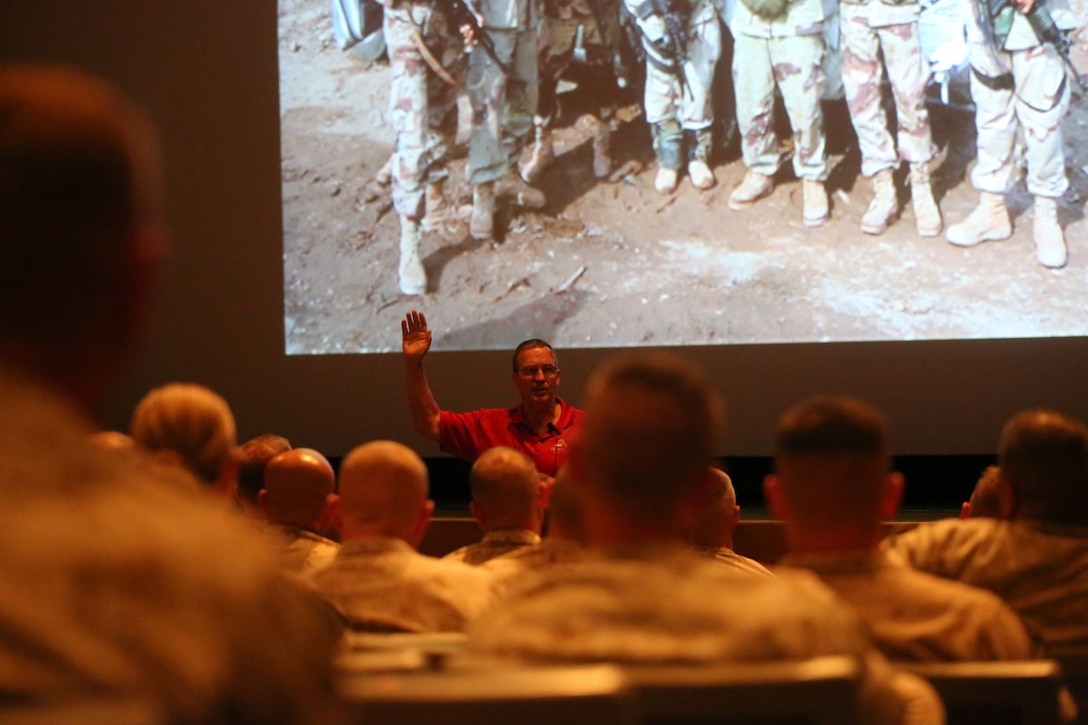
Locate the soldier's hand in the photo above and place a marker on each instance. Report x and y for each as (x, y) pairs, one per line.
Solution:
(469, 34)
(1024, 5)
(415, 337)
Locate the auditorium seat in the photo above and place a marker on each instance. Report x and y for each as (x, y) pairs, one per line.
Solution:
(820, 691)
(995, 693)
(594, 694)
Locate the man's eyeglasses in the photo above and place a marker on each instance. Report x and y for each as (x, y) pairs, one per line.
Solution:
(530, 371)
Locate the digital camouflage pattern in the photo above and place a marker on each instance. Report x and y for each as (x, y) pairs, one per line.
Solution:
(422, 106)
(871, 41)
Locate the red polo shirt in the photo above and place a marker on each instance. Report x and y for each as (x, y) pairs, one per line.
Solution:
(467, 435)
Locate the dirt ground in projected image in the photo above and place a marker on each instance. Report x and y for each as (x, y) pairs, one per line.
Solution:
(616, 264)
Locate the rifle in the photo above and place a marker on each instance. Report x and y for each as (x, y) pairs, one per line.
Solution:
(460, 14)
(1042, 23)
(675, 13)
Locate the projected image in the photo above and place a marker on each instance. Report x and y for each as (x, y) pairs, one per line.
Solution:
(605, 247)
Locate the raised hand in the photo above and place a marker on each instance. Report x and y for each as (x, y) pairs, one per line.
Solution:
(415, 337)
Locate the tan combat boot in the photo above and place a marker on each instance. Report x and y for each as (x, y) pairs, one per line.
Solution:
(666, 180)
(410, 272)
(815, 211)
(927, 216)
(540, 155)
(754, 187)
(439, 209)
(884, 205)
(1050, 247)
(988, 221)
(482, 223)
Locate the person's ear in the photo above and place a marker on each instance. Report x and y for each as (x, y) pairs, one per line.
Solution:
(332, 516)
(423, 520)
(965, 510)
(262, 501)
(891, 496)
(775, 496)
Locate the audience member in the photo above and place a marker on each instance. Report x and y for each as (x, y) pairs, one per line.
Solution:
(641, 467)
(378, 579)
(985, 502)
(192, 426)
(712, 535)
(1035, 555)
(506, 503)
(299, 503)
(252, 457)
(539, 426)
(832, 489)
(564, 537)
(114, 587)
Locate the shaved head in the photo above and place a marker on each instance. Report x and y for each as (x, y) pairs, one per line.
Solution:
(506, 490)
(297, 484)
(383, 488)
(1044, 457)
(832, 466)
(648, 435)
(718, 520)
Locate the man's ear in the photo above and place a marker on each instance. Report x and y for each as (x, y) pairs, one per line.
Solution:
(423, 520)
(775, 497)
(478, 514)
(1006, 498)
(891, 496)
(262, 501)
(332, 516)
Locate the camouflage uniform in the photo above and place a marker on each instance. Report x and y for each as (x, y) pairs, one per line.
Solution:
(495, 543)
(1037, 104)
(422, 106)
(503, 105)
(874, 31)
(787, 52)
(559, 37)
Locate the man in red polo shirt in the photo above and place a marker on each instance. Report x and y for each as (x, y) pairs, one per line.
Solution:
(539, 426)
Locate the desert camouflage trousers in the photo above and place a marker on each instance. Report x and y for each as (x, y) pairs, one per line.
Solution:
(1029, 114)
(665, 99)
(502, 105)
(863, 45)
(422, 106)
(796, 65)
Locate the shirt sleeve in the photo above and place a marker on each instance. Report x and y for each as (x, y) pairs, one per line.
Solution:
(459, 434)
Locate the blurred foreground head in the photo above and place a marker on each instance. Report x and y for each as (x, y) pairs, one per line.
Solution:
(191, 425)
(642, 458)
(832, 483)
(1043, 457)
(81, 230)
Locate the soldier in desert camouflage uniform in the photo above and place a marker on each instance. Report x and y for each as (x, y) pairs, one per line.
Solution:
(879, 34)
(504, 101)
(1020, 87)
(588, 29)
(677, 97)
(423, 113)
(780, 44)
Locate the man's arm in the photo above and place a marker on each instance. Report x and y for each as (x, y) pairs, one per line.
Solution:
(415, 342)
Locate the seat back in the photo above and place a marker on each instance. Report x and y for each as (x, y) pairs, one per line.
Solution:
(995, 693)
(819, 691)
(595, 694)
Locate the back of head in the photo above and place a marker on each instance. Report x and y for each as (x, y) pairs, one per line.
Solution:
(832, 462)
(297, 484)
(650, 426)
(714, 527)
(985, 501)
(190, 420)
(253, 456)
(1044, 457)
(505, 490)
(79, 176)
(383, 488)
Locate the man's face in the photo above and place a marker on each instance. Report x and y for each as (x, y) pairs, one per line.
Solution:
(537, 376)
